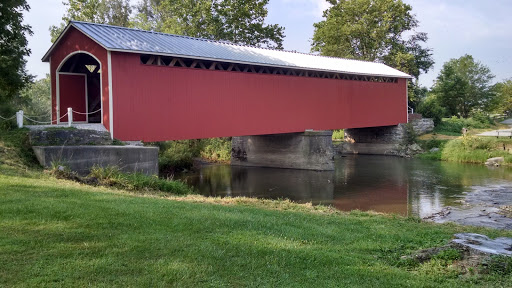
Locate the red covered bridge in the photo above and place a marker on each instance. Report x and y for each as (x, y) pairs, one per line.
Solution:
(150, 86)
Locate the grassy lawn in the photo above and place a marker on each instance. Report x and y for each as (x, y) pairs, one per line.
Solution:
(61, 233)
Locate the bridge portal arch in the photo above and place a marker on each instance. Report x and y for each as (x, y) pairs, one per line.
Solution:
(79, 86)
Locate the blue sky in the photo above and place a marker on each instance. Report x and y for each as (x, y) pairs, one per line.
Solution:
(455, 27)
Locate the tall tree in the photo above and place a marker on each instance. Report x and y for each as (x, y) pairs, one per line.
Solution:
(503, 100)
(239, 21)
(114, 12)
(35, 98)
(242, 21)
(13, 49)
(464, 86)
(374, 30)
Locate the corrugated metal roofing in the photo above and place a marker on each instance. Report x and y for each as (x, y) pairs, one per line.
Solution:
(115, 38)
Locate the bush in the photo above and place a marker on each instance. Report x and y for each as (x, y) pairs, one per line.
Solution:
(430, 108)
(409, 134)
(338, 134)
(216, 149)
(177, 155)
(454, 125)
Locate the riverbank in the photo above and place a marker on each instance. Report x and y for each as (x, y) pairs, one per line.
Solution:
(62, 233)
(466, 149)
(448, 144)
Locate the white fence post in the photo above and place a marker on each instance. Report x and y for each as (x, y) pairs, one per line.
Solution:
(19, 118)
(70, 116)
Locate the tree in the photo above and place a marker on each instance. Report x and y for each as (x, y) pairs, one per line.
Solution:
(503, 99)
(113, 12)
(13, 49)
(238, 21)
(374, 30)
(35, 99)
(243, 22)
(463, 87)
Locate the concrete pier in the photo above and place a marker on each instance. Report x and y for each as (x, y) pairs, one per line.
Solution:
(310, 150)
(81, 159)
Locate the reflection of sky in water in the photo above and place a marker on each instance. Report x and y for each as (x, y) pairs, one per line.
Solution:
(379, 183)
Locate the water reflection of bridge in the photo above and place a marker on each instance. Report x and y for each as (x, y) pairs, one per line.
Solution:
(379, 183)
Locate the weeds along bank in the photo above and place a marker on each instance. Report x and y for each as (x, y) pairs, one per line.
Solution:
(448, 144)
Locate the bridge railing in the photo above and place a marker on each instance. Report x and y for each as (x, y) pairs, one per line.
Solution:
(20, 117)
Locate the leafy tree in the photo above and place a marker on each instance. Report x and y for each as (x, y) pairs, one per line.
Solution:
(242, 21)
(431, 108)
(13, 49)
(114, 12)
(503, 99)
(463, 86)
(35, 98)
(374, 30)
(239, 21)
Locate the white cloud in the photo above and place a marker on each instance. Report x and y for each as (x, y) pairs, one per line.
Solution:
(308, 7)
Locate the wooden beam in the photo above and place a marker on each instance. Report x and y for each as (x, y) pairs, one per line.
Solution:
(173, 62)
(151, 60)
(181, 63)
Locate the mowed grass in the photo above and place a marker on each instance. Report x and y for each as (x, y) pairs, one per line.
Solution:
(58, 233)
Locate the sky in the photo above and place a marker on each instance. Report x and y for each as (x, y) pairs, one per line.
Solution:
(455, 28)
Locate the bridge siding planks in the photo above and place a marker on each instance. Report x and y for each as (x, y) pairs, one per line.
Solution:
(155, 103)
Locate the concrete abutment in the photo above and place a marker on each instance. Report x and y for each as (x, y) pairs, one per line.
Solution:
(310, 150)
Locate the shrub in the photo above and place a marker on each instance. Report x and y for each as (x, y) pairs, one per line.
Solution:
(454, 125)
(177, 155)
(430, 108)
(409, 134)
(338, 134)
(216, 149)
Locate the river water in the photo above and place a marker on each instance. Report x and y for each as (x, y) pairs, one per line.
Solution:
(410, 187)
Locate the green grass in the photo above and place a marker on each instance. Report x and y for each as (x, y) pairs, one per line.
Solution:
(62, 233)
(113, 177)
(469, 149)
(58, 233)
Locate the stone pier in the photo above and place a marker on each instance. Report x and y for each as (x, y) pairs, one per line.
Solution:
(384, 140)
(310, 150)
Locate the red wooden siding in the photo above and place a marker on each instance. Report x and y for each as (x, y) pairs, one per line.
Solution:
(72, 94)
(71, 42)
(155, 103)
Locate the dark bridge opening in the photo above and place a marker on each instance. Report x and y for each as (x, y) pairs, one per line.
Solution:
(80, 88)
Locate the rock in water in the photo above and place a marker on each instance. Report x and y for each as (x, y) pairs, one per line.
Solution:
(483, 244)
(496, 161)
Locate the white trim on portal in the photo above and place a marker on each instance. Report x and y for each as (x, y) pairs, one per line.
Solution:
(110, 98)
(407, 99)
(57, 71)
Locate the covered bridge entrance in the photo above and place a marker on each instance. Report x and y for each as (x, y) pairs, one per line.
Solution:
(150, 86)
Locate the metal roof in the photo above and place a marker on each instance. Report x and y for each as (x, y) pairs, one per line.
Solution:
(114, 38)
